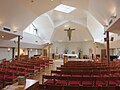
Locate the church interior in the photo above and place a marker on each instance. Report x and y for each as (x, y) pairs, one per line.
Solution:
(69, 44)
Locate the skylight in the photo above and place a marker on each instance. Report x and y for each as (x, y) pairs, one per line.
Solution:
(64, 8)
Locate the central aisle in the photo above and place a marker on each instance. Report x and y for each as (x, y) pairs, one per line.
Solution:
(47, 70)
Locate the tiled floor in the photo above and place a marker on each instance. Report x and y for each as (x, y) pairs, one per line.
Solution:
(47, 70)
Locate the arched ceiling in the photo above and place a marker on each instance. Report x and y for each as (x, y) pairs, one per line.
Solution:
(20, 13)
(77, 19)
(39, 7)
(75, 16)
(102, 10)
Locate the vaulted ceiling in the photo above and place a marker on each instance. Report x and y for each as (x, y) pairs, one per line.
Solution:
(88, 19)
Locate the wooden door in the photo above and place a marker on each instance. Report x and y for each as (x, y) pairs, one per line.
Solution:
(45, 52)
(103, 54)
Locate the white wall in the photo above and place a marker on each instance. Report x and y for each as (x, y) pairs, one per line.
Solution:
(95, 28)
(5, 54)
(116, 36)
(8, 55)
(99, 46)
(115, 44)
(29, 38)
(116, 41)
(32, 52)
(44, 26)
(84, 46)
(73, 46)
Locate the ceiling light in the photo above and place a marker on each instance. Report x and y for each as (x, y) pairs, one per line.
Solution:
(15, 29)
(8, 49)
(106, 21)
(3, 36)
(64, 8)
(59, 40)
(30, 49)
(113, 12)
(85, 40)
(66, 26)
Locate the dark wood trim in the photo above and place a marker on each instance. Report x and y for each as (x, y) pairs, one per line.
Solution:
(28, 52)
(108, 47)
(13, 53)
(18, 48)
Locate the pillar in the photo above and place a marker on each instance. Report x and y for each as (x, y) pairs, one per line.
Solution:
(94, 51)
(28, 52)
(18, 48)
(13, 53)
(108, 47)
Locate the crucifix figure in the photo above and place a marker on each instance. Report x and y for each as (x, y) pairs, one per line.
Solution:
(69, 32)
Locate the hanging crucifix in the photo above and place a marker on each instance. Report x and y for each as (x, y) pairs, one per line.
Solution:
(69, 32)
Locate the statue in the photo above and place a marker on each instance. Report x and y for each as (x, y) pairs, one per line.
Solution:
(69, 32)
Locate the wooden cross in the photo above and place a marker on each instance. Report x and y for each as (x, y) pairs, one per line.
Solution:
(69, 32)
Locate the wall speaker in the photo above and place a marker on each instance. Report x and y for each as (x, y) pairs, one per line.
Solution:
(112, 38)
(105, 39)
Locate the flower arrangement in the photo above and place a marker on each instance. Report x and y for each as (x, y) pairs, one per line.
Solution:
(66, 50)
(79, 50)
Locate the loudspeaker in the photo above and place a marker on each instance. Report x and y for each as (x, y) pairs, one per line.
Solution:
(112, 38)
(105, 39)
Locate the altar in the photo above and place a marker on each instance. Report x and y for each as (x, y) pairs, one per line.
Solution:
(71, 55)
(71, 59)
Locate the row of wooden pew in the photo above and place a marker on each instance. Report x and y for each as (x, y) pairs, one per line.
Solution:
(82, 75)
(85, 81)
(70, 87)
(9, 71)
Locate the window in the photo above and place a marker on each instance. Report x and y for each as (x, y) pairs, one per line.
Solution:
(64, 8)
(31, 29)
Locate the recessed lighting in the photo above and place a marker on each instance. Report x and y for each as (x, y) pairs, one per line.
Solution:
(66, 26)
(64, 8)
(60, 40)
(8, 49)
(3, 36)
(30, 49)
(113, 12)
(85, 40)
(15, 29)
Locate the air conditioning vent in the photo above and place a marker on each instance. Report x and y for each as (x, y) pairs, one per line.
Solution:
(6, 29)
